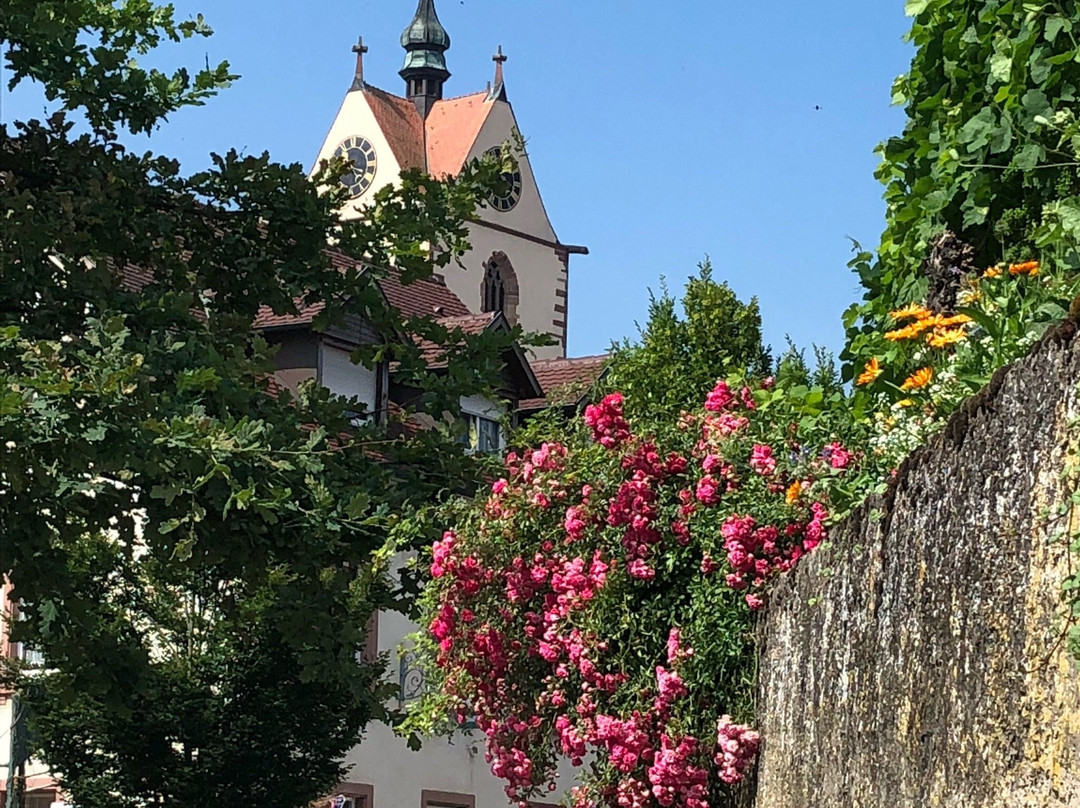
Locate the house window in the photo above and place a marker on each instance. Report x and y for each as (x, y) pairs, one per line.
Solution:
(21, 650)
(352, 795)
(39, 799)
(446, 799)
(482, 434)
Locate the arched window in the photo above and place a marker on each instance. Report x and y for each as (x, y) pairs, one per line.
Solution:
(499, 290)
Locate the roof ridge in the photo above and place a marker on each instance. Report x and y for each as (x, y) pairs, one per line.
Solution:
(384, 92)
(465, 95)
(590, 358)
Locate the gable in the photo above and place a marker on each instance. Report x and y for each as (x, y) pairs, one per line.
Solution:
(529, 214)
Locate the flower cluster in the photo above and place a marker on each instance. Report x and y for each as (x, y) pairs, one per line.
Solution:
(578, 561)
(610, 428)
(737, 746)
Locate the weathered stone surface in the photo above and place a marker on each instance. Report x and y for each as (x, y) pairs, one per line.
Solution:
(919, 660)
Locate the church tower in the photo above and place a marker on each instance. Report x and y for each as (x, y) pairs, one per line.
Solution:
(517, 265)
(425, 42)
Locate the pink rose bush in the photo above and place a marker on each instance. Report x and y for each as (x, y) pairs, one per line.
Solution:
(598, 601)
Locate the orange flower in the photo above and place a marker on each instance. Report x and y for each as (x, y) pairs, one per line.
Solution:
(956, 319)
(793, 492)
(993, 272)
(913, 330)
(1026, 268)
(943, 337)
(909, 311)
(920, 378)
(870, 372)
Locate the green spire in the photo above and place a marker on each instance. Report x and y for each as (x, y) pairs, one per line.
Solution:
(425, 42)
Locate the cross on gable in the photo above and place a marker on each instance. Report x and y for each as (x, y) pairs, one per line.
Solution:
(359, 49)
(499, 59)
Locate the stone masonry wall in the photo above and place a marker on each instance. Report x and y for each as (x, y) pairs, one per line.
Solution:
(919, 659)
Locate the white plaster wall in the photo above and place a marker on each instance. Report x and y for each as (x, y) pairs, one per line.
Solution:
(341, 376)
(540, 274)
(528, 215)
(356, 119)
(484, 407)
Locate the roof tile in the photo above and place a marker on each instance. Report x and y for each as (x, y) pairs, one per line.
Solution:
(452, 127)
(565, 380)
(401, 124)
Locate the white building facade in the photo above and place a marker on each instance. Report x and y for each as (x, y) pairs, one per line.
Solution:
(517, 267)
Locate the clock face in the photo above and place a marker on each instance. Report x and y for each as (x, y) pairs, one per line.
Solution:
(511, 191)
(361, 154)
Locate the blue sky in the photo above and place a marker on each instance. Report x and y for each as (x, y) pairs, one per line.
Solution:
(659, 132)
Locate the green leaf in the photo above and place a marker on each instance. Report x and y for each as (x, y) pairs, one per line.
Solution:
(1001, 66)
(1029, 157)
(95, 433)
(977, 131)
(990, 324)
(1037, 104)
(358, 505)
(1054, 26)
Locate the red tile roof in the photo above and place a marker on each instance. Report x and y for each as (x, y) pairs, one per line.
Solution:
(469, 324)
(429, 297)
(133, 278)
(267, 319)
(439, 144)
(565, 381)
(422, 298)
(452, 127)
(401, 124)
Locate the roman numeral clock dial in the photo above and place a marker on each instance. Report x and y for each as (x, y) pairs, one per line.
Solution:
(361, 154)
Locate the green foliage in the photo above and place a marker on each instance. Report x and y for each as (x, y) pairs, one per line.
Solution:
(990, 153)
(676, 358)
(991, 149)
(197, 560)
(83, 53)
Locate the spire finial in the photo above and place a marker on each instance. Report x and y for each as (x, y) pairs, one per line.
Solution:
(499, 59)
(359, 49)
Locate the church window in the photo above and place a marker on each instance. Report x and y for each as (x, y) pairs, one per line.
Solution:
(499, 289)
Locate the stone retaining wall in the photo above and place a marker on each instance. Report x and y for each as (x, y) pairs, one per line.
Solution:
(919, 659)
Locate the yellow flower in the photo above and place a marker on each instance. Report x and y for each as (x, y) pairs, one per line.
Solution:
(905, 402)
(920, 378)
(992, 272)
(1026, 268)
(870, 372)
(943, 337)
(909, 311)
(793, 492)
(969, 296)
